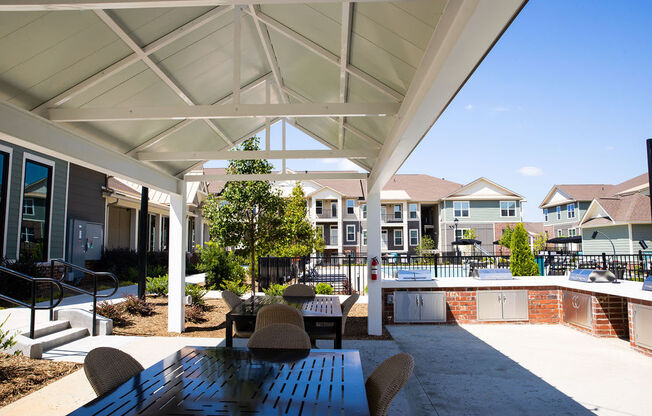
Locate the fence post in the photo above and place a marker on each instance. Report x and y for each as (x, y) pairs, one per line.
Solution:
(604, 261)
(51, 290)
(640, 255)
(436, 260)
(349, 273)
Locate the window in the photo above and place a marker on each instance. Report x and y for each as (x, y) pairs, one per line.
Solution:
(461, 208)
(459, 233)
(4, 175)
(35, 228)
(28, 206)
(152, 232)
(334, 239)
(350, 233)
(558, 212)
(507, 208)
(364, 237)
(398, 214)
(570, 209)
(413, 211)
(333, 209)
(560, 233)
(398, 237)
(349, 206)
(414, 237)
(572, 232)
(165, 233)
(191, 234)
(319, 207)
(364, 211)
(545, 214)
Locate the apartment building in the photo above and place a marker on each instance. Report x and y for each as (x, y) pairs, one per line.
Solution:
(621, 212)
(412, 206)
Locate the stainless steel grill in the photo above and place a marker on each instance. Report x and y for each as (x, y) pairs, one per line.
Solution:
(413, 274)
(492, 274)
(592, 276)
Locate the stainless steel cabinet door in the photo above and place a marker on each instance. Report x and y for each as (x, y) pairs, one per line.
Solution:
(489, 305)
(568, 306)
(433, 306)
(643, 325)
(584, 313)
(515, 306)
(406, 307)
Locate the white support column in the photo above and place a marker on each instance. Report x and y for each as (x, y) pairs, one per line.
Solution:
(374, 287)
(177, 261)
(268, 130)
(158, 240)
(283, 170)
(199, 231)
(404, 216)
(340, 225)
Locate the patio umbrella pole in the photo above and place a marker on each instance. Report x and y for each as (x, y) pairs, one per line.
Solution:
(142, 242)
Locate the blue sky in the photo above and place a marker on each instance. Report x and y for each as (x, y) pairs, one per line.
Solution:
(564, 97)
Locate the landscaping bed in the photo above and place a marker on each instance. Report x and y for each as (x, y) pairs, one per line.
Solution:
(213, 324)
(20, 375)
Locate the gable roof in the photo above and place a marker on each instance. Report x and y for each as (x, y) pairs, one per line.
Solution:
(637, 183)
(422, 187)
(485, 180)
(587, 192)
(631, 208)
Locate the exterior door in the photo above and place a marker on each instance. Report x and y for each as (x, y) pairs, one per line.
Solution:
(515, 305)
(433, 307)
(383, 240)
(490, 305)
(406, 307)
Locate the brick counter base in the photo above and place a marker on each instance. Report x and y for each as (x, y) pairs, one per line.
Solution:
(544, 305)
(609, 315)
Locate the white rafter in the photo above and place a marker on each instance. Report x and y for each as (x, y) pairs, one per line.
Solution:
(324, 53)
(231, 111)
(276, 176)
(132, 59)
(345, 41)
(254, 155)
(167, 80)
(164, 134)
(46, 5)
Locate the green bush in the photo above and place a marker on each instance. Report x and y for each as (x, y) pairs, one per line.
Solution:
(275, 290)
(219, 265)
(157, 286)
(522, 261)
(238, 287)
(323, 289)
(157, 270)
(196, 294)
(136, 306)
(6, 340)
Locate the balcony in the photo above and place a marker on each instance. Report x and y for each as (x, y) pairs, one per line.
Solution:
(326, 214)
(390, 217)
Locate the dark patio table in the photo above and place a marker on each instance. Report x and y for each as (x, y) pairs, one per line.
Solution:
(230, 381)
(321, 308)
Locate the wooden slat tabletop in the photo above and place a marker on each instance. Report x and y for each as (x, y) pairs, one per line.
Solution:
(225, 381)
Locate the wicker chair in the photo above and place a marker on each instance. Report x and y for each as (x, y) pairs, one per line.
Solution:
(240, 329)
(280, 336)
(386, 381)
(299, 290)
(278, 314)
(106, 368)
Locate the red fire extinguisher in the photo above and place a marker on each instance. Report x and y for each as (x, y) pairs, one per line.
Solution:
(374, 268)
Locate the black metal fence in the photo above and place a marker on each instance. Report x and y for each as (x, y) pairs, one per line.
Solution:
(348, 274)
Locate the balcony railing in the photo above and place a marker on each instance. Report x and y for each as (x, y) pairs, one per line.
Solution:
(327, 213)
(391, 217)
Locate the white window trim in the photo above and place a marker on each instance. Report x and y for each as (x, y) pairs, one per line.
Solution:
(52, 164)
(364, 211)
(508, 209)
(364, 237)
(468, 210)
(558, 212)
(461, 231)
(395, 232)
(545, 214)
(318, 208)
(330, 236)
(416, 211)
(352, 207)
(32, 205)
(348, 227)
(569, 211)
(410, 238)
(574, 232)
(394, 211)
(334, 204)
(560, 233)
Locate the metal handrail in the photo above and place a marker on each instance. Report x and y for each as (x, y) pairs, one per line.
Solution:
(32, 304)
(83, 291)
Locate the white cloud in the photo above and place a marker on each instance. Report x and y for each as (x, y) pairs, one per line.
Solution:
(530, 171)
(468, 107)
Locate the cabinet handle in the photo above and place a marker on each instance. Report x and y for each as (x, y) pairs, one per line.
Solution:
(504, 298)
(417, 299)
(499, 298)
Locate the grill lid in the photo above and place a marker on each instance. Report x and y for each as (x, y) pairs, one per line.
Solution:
(647, 284)
(413, 274)
(591, 276)
(492, 274)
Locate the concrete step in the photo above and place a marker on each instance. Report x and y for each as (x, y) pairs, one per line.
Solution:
(62, 337)
(47, 328)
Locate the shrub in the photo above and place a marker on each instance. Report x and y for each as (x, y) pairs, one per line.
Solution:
(522, 260)
(219, 265)
(275, 290)
(323, 289)
(112, 311)
(157, 270)
(6, 340)
(195, 314)
(196, 294)
(157, 286)
(124, 263)
(136, 306)
(238, 287)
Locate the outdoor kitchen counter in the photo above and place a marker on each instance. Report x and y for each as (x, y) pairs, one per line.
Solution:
(625, 289)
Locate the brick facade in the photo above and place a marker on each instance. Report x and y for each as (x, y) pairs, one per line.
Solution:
(609, 314)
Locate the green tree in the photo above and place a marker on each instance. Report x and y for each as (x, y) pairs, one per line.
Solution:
(299, 237)
(522, 259)
(539, 243)
(470, 234)
(506, 238)
(248, 214)
(426, 245)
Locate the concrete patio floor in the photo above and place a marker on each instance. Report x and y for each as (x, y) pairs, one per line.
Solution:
(523, 370)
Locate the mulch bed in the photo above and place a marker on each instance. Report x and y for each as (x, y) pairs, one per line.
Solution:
(213, 325)
(20, 375)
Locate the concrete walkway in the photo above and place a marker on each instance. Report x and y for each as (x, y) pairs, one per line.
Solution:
(524, 370)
